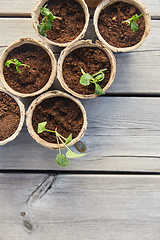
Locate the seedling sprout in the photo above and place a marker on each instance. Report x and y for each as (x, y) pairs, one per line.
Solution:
(61, 159)
(16, 62)
(132, 22)
(86, 79)
(46, 23)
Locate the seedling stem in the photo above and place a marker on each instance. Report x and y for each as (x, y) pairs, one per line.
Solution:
(61, 160)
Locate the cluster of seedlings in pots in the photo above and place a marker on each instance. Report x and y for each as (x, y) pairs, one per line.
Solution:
(46, 24)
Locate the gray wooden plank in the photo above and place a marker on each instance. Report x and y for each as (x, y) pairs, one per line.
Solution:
(16, 7)
(15, 28)
(136, 71)
(123, 134)
(80, 207)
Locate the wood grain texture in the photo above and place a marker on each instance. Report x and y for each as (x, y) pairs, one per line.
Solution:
(17, 7)
(137, 72)
(80, 207)
(15, 28)
(22, 7)
(123, 134)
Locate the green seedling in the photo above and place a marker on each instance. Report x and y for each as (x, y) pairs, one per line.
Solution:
(46, 23)
(15, 62)
(86, 79)
(132, 22)
(61, 159)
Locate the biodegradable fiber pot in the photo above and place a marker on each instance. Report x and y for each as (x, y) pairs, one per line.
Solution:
(142, 9)
(8, 120)
(63, 23)
(32, 80)
(86, 59)
(56, 116)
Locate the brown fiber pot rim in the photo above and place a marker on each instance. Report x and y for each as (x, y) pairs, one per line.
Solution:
(37, 101)
(22, 117)
(79, 44)
(35, 15)
(18, 43)
(140, 6)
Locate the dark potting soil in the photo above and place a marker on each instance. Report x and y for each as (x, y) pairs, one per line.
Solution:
(60, 113)
(91, 60)
(113, 31)
(9, 116)
(30, 79)
(72, 23)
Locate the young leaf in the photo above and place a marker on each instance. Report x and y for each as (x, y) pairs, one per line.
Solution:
(7, 63)
(16, 63)
(134, 26)
(85, 79)
(98, 90)
(41, 127)
(71, 154)
(46, 23)
(69, 139)
(41, 29)
(132, 22)
(61, 160)
(45, 11)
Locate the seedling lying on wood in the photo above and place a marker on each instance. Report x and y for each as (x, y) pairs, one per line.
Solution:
(16, 62)
(61, 160)
(86, 79)
(132, 22)
(46, 23)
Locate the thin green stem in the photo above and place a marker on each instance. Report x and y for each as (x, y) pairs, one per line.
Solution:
(49, 130)
(25, 65)
(61, 136)
(62, 141)
(58, 142)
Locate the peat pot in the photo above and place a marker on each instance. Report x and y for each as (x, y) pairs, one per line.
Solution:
(69, 27)
(116, 34)
(12, 114)
(37, 72)
(61, 111)
(91, 57)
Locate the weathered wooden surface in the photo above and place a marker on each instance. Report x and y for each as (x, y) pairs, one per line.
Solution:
(19, 7)
(137, 71)
(15, 28)
(79, 207)
(122, 135)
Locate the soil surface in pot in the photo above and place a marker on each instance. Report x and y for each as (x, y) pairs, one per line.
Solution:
(91, 60)
(113, 31)
(33, 78)
(72, 23)
(9, 116)
(60, 113)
